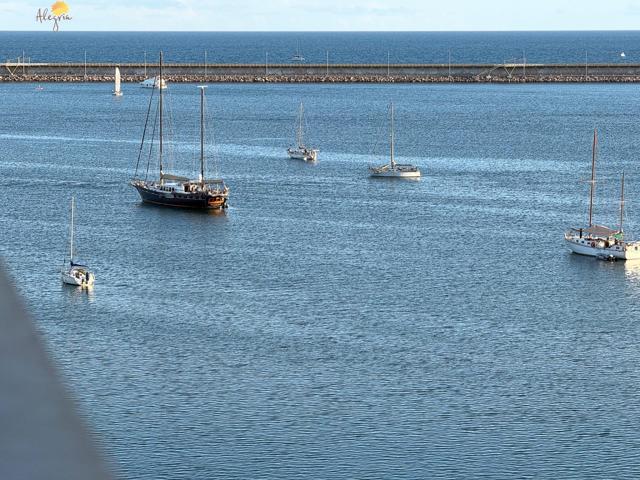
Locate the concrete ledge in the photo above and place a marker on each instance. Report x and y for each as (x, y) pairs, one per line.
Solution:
(41, 435)
(319, 73)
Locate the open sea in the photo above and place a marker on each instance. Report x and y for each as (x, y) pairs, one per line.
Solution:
(329, 325)
(341, 47)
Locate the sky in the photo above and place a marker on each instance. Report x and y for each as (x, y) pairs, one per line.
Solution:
(328, 15)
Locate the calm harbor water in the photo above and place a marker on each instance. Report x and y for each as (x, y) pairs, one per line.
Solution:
(329, 325)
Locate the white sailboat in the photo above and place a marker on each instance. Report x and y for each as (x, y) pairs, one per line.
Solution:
(73, 273)
(598, 240)
(298, 57)
(116, 86)
(394, 169)
(301, 151)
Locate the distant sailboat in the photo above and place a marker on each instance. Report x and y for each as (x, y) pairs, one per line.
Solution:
(301, 151)
(598, 240)
(74, 273)
(393, 169)
(298, 57)
(116, 88)
(154, 82)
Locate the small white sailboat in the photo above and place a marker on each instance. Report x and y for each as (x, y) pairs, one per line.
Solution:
(301, 151)
(298, 57)
(154, 82)
(598, 240)
(73, 273)
(394, 169)
(116, 87)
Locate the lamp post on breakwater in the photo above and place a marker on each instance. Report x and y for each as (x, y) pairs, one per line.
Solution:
(327, 71)
(586, 64)
(388, 62)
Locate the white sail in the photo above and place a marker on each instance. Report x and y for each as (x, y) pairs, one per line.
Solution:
(116, 88)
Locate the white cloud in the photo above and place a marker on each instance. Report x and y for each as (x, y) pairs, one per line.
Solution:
(10, 7)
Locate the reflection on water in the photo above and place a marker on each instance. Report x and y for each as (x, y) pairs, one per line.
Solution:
(78, 296)
(632, 272)
(214, 212)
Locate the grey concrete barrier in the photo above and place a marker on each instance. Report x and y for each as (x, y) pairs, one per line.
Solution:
(41, 435)
(323, 73)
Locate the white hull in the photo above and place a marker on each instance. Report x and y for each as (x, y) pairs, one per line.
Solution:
(386, 171)
(71, 280)
(117, 94)
(306, 155)
(153, 83)
(393, 174)
(78, 277)
(599, 248)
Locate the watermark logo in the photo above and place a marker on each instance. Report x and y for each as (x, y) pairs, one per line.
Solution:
(59, 12)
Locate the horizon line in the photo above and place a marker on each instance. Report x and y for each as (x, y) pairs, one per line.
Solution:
(323, 31)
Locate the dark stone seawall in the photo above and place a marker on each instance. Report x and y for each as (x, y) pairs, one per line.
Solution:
(322, 73)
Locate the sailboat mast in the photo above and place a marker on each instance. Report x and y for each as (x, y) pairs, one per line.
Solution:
(393, 160)
(622, 203)
(300, 120)
(71, 243)
(160, 108)
(593, 175)
(202, 87)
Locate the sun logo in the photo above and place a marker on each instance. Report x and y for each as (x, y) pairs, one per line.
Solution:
(59, 8)
(59, 12)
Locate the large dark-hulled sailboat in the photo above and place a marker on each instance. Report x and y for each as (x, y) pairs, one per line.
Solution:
(175, 191)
